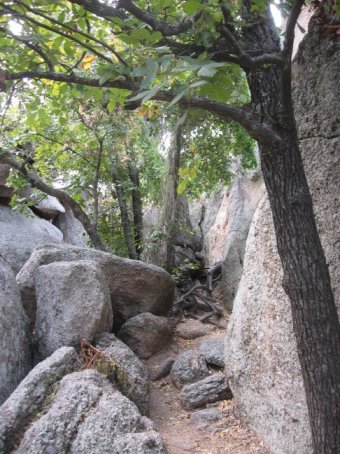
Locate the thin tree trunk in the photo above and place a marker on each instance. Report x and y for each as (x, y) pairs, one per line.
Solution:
(95, 185)
(137, 207)
(170, 199)
(124, 214)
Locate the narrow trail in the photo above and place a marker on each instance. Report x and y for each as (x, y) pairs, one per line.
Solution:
(216, 429)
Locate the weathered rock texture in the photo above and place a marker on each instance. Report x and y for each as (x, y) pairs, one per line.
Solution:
(87, 415)
(225, 225)
(146, 334)
(227, 218)
(73, 303)
(213, 351)
(135, 287)
(72, 229)
(189, 367)
(210, 389)
(261, 357)
(123, 368)
(19, 235)
(191, 329)
(28, 398)
(14, 343)
(49, 207)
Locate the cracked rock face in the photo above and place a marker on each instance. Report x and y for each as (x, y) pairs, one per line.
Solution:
(28, 398)
(262, 364)
(73, 303)
(77, 412)
(14, 343)
(125, 369)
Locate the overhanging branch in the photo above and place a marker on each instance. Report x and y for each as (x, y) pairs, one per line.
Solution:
(258, 130)
(73, 30)
(245, 60)
(105, 11)
(100, 9)
(157, 25)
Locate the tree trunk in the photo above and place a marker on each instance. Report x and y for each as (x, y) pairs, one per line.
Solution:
(95, 185)
(306, 278)
(137, 207)
(307, 284)
(170, 199)
(124, 214)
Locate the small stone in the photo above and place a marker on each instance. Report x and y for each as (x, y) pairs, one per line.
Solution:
(208, 390)
(205, 416)
(189, 367)
(146, 334)
(191, 329)
(213, 351)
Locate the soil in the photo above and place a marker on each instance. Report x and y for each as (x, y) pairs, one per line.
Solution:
(181, 430)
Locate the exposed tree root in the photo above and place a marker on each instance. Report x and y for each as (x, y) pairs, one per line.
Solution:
(199, 297)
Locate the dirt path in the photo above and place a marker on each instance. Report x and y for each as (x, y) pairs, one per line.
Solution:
(214, 430)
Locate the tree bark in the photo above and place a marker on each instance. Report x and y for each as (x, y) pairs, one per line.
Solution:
(170, 200)
(307, 283)
(306, 278)
(137, 208)
(124, 214)
(95, 185)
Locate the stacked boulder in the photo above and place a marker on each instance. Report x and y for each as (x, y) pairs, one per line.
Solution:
(65, 300)
(59, 408)
(133, 287)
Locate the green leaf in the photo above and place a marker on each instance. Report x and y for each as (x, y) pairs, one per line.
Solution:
(154, 37)
(165, 61)
(181, 187)
(140, 95)
(145, 95)
(209, 70)
(162, 49)
(111, 105)
(177, 98)
(191, 6)
(151, 71)
(198, 84)
(105, 77)
(181, 120)
(151, 93)
(141, 34)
